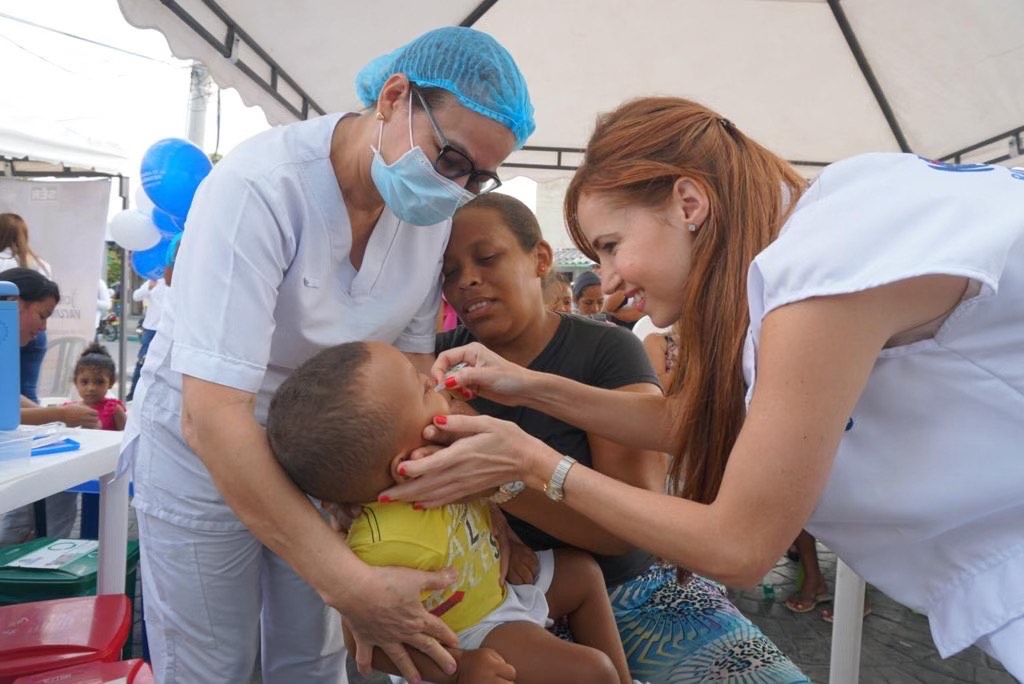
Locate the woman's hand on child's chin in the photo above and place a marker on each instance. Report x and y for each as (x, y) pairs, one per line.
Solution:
(489, 453)
(425, 450)
(435, 436)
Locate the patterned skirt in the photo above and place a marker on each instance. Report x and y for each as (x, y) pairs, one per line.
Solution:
(691, 632)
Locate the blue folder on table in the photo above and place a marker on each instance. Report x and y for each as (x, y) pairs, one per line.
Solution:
(57, 447)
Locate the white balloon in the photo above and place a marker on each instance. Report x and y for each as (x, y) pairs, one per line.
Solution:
(134, 230)
(142, 201)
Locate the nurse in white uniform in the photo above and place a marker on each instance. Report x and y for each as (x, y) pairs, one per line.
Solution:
(306, 236)
(851, 361)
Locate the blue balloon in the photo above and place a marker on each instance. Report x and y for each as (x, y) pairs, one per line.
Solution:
(150, 263)
(171, 171)
(167, 224)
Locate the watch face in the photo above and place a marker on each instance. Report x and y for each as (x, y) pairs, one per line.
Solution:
(513, 488)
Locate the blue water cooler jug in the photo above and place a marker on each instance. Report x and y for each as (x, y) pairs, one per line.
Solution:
(10, 358)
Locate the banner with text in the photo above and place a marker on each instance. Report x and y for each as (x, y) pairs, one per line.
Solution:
(66, 225)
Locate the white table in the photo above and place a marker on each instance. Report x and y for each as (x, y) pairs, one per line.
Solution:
(23, 483)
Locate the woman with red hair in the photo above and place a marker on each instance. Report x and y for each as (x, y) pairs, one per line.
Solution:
(850, 359)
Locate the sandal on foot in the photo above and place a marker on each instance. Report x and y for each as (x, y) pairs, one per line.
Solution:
(800, 603)
(827, 614)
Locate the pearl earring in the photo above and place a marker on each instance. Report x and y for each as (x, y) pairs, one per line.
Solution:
(692, 227)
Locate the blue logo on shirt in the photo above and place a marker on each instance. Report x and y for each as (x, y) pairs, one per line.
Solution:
(957, 168)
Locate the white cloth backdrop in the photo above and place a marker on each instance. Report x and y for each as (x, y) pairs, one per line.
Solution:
(66, 222)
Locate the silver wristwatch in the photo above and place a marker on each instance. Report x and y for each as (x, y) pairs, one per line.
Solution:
(508, 491)
(555, 486)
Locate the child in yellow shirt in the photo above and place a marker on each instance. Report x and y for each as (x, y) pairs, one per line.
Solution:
(342, 425)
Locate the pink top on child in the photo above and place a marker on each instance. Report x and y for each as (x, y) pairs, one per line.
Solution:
(105, 412)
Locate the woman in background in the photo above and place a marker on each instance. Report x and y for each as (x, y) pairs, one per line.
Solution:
(851, 362)
(15, 252)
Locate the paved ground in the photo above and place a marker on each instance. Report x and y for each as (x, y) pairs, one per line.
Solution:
(897, 646)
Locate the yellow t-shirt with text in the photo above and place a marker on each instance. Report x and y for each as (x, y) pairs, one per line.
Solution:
(457, 535)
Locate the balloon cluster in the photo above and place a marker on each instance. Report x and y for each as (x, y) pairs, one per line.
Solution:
(171, 171)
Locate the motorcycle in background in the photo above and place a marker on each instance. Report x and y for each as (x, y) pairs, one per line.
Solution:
(109, 328)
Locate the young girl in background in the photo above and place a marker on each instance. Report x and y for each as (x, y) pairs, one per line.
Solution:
(94, 375)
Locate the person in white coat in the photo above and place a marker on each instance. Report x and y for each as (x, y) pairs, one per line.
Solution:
(152, 293)
(852, 359)
(104, 301)
(306, 236)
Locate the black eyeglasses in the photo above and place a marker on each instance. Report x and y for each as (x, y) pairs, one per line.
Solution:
(454, 164)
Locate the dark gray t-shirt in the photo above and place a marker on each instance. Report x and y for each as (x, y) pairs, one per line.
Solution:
(593, 353)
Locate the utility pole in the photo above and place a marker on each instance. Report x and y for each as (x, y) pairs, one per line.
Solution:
(199, 94)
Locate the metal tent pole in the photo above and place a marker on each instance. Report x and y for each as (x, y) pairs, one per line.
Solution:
(125, 266)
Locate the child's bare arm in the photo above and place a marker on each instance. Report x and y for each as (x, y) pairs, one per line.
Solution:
(72, 415)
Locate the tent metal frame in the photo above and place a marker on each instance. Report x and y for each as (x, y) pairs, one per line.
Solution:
(9, 169)
(234, 35)
(228, 48)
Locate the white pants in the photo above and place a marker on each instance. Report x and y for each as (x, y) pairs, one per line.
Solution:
(1006, 645)
(209, 597)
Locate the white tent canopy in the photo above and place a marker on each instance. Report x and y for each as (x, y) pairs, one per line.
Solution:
(36, 147)
(814, 80)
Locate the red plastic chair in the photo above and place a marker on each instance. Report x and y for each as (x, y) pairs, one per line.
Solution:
(130, 671)
(48, 635)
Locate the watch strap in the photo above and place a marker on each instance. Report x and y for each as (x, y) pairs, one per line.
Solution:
(555, 488)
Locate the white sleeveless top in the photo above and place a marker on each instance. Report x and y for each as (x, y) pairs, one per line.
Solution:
(926, 497)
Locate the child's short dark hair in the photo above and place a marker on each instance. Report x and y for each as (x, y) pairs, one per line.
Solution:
(96, 356)
(327, 434)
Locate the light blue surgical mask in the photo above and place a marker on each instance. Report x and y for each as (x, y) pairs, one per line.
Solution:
(411, 188)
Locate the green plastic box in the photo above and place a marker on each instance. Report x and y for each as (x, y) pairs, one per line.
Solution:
(77, 578)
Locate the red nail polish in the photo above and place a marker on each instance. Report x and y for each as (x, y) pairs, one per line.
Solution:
(440, 420)
(450, 382)
(401, 470)
(383, 499)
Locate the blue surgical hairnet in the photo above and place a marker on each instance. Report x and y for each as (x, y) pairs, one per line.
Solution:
(467, 63)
